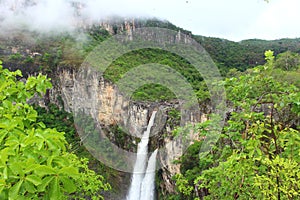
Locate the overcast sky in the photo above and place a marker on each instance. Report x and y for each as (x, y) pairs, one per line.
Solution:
(230, 19)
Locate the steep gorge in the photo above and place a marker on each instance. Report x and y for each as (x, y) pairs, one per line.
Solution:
(99, 98)
(107, 106)
(87, 90)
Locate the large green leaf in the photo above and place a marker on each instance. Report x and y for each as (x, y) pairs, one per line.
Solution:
(45, 183)
(34, 179)
(29, 187)
(68, 184)
(17, 168)
(44, 170)
(14, 190)
(2, 185)
(6, 124)
(54, 190)
(3, 134)
(71, 171)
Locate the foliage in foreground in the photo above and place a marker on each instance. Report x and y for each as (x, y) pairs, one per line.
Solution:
(55, 117)
(258, 154)
(34, 161)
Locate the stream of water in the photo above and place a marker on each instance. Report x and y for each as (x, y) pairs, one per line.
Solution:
(143, 178)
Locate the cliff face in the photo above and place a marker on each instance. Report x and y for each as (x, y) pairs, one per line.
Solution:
(87, 90)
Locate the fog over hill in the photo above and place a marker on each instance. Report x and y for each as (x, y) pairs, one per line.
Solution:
(58, 16)
(19, 18)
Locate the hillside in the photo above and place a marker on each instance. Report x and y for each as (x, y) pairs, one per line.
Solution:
(262, 118)
(36, 49)
(34, 52)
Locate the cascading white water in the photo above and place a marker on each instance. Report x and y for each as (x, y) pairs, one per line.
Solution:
(148, 184)
(136, 192)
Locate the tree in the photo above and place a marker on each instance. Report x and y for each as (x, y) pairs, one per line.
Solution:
(257, 156)
(287, 61)
(34, 161)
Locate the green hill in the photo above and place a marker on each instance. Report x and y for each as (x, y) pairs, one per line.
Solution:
(34, 52)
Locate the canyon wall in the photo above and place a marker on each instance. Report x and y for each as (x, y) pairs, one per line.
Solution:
(87, 90)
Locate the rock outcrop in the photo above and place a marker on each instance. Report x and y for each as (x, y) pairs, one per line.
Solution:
(87, 90)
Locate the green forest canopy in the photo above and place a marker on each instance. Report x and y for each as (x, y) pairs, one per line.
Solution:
(35, 162)
(257, 156)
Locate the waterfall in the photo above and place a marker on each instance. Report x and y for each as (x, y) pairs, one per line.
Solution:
(138, 190)
(148, 184)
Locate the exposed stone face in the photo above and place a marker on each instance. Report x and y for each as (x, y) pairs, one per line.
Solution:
(88, 90)
(118, 26)
(102, 100)
(63, 88)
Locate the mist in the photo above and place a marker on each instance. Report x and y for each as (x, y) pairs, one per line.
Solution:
(57, 16)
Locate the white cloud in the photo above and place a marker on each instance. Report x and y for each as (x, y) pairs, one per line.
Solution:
(230, 19)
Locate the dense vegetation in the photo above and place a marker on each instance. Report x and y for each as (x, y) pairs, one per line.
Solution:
(257, 156)
(55, 117)
(57, 50)
(154, 91)
(245, 54)
(235, 55)
(48, 53)
(34, 52)
(35, 162)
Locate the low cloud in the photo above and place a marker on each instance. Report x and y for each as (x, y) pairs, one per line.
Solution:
(58, 16)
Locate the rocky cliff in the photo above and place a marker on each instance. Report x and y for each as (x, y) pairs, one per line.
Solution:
(87, 90)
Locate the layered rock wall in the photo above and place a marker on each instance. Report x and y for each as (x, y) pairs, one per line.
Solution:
(89, 91)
